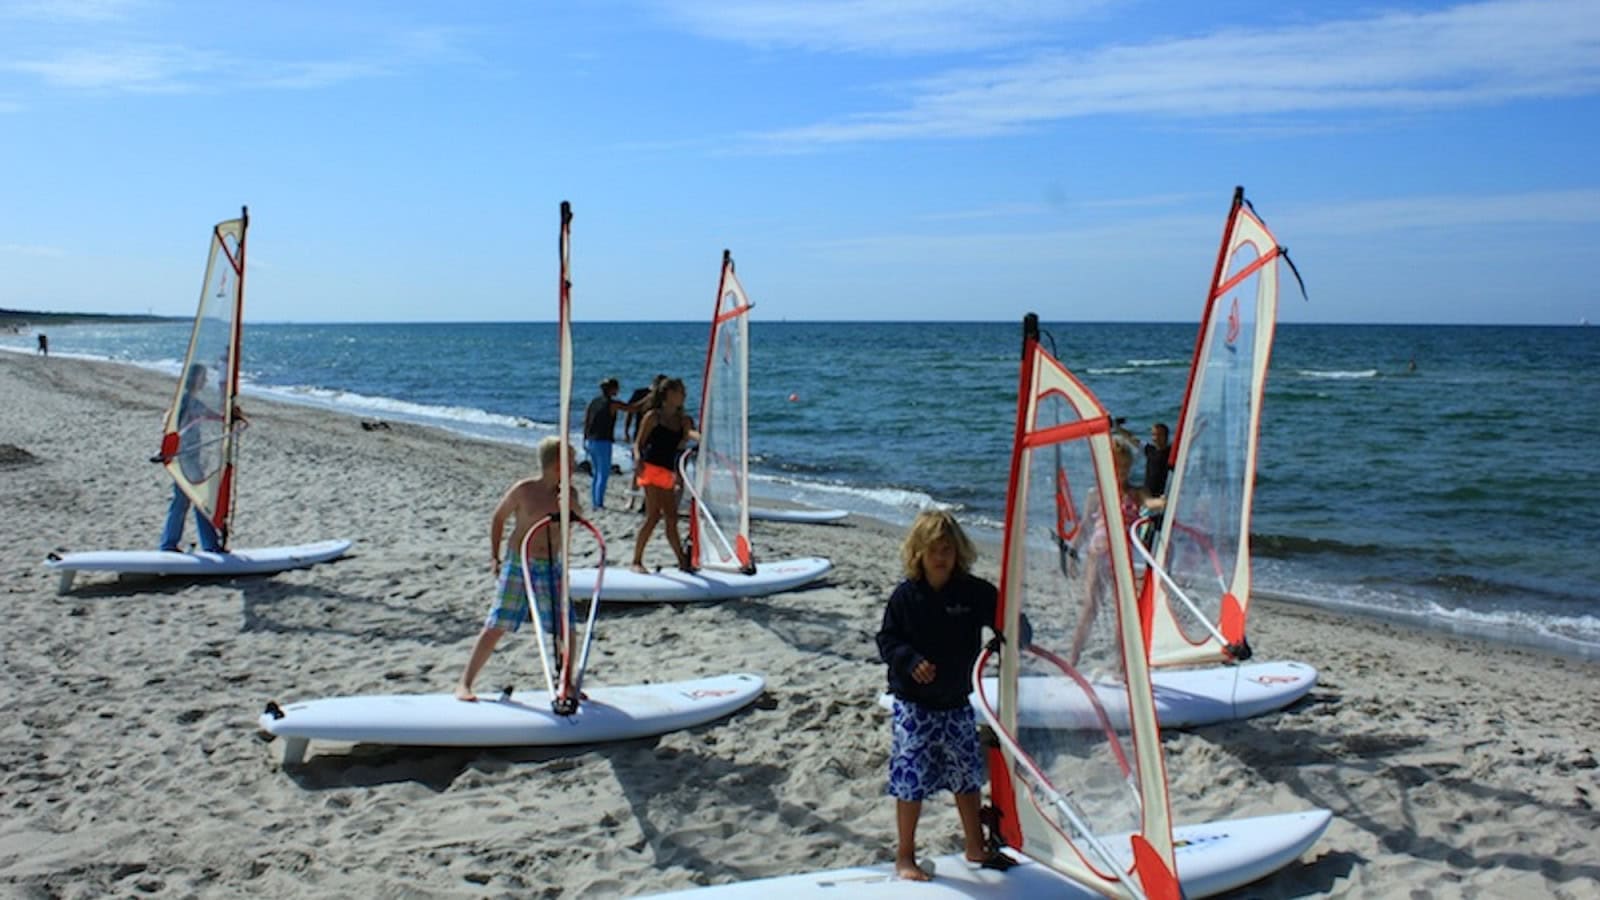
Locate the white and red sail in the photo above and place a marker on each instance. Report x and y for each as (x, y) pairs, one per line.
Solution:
(200, 433)
(1197, 594)
(719, 524)
(1082, 788)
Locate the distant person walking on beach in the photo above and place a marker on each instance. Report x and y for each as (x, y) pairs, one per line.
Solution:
(44, 343)
(931, 635)
(664, 432)
(599, 432)
(527, 503)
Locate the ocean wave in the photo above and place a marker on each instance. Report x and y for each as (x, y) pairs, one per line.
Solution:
(1285, 545)
(1337, 374)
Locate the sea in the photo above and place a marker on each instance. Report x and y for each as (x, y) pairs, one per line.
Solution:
(1439, 475)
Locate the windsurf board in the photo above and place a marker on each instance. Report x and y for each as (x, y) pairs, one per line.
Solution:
(440, 720)
(1211, 858)
(1185, 698)
(254, 561)
(622, 585)
(802, 516)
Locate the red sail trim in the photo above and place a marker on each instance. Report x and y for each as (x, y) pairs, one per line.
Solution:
(1260, 262)
(1158, 881)
(1055, 434)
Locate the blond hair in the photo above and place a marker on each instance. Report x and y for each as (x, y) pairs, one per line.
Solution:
(550, 451)
(930, 527)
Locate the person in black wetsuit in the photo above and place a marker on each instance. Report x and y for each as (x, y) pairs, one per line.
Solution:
(663, 433)
(1156, 461)
(931, 635)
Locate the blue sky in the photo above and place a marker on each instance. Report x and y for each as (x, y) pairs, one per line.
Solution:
(921, 159)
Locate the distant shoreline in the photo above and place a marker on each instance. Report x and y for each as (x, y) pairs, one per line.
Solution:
(14, 317)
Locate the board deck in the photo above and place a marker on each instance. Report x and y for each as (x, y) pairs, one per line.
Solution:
(622, 585)
(1185, 698)
(521, 720)
(1211, 858)
(802, 516)
(252, 561)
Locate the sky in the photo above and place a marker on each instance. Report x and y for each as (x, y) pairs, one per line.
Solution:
(1424, 162)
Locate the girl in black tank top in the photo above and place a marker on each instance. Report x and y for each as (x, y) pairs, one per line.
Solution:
(662, 434)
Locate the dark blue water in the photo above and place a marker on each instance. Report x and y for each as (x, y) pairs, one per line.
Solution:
(1459, 494)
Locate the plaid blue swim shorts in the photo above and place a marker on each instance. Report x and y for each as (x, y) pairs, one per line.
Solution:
(510, 607)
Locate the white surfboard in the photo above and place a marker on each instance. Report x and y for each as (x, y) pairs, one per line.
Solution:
(1211, 858)
(254, 561)
(803, 516)
(622, 585)
(521, 720)
(1185, 698)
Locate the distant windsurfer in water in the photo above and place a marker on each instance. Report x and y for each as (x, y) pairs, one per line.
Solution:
(191, 413)
(664, 432)
(931, 636)
(527, 503)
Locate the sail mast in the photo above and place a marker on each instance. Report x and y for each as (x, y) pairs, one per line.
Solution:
(567, 695)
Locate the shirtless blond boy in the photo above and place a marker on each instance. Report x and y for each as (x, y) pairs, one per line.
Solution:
(527, 503)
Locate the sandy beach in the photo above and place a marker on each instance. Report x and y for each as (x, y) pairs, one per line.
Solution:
(131, 763)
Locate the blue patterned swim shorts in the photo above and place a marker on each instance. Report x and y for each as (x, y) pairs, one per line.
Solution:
(510, 607)
(934, 750)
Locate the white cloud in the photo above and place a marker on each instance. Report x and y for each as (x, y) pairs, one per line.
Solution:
(32, 250)
(883, 26)
(1443, 211)
(135, 69)
(70, 11)
(1467, 55)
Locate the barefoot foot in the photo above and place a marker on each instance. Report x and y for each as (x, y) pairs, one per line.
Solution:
(910, 871)
(465, 694)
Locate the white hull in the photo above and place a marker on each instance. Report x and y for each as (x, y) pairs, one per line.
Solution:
(1211, 858)
(623, 585)
(522, 720)
(1184, 698)
(802, 516)
(254, 561)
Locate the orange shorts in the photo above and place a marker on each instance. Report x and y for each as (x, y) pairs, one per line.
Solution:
(652, 475)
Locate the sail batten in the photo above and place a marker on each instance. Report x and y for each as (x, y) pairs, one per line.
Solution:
(200, 432)
(1197, 593)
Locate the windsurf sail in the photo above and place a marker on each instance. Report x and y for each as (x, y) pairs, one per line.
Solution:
(1082, 789)
(564, 674)
(1197, 587)
(719, 524)
(199, 437)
